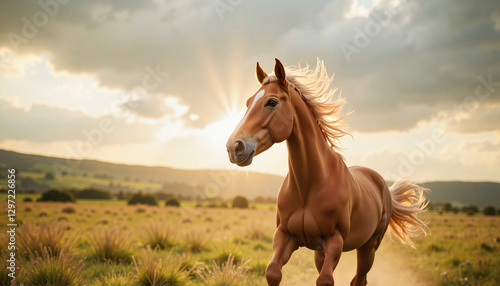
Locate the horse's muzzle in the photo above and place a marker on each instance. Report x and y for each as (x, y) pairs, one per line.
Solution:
(240, 153)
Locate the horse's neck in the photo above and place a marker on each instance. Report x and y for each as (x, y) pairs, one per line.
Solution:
(311, 160)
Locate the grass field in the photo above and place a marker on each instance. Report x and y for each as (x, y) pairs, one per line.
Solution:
(106, 243)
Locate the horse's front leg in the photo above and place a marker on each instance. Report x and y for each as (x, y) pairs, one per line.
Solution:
(332, 249)
(283, 247)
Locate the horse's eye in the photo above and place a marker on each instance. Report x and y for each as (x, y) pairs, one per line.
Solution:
(272, 103)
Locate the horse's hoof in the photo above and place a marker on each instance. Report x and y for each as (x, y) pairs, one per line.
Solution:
(273, 274)
(326, 280)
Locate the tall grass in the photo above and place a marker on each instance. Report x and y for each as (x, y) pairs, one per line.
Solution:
(257, 231)
(111, 244)
(229, 274)
(225, 249)
(5, 279)
(160, 234)
(115, 280)
(195, 239)
(35, 238)
(152, 270)
(55, 270)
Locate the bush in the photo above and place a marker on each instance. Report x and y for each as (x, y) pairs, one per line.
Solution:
(93, 194)
(173, 201)
(489, 211)
(139, 198)
(49, 176)
(110, 244)
(240, 202)
(195, 240)
(55, 195)
(48, 235)
(27, 200)
(228, 274)
(69, 210)
(49, 269)
(115, 280)
(159, 234)
(153, 269)
(470, 209)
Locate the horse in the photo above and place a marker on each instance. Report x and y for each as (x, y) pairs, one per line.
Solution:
(322, 204)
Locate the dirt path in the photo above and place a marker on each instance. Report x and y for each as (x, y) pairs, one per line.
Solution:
(300, 271)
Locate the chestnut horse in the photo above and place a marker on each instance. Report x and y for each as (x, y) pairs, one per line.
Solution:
(322, 204)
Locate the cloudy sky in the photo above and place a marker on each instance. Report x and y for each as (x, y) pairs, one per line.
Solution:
(165, 82)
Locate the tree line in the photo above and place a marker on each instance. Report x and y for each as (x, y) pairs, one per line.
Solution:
(58, 195)
(448, 207)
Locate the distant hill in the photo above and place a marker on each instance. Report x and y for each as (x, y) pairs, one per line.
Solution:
(480, 194)
(208, 183)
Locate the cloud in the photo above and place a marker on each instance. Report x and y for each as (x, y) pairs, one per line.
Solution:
(18, 66)
(484, 118)
(42, 123)
(410, 60)
(483, 145)
(154, 106)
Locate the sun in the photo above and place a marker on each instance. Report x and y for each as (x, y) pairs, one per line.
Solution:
(222, 128)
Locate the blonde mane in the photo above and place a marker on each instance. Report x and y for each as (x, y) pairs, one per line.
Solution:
(314, 87)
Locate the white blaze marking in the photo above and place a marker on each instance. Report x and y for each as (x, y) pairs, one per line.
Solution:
(257, 97)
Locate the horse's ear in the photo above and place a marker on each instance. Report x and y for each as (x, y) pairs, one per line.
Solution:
(279, 72)
(260, 73)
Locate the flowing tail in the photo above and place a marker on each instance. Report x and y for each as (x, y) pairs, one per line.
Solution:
(408, 201)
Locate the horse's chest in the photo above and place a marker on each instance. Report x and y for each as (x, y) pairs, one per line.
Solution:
(308, 228)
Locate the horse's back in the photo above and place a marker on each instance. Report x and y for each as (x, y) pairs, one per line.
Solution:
(366, 176)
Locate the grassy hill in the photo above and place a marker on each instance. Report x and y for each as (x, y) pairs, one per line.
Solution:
(194, 183)
(115, 177)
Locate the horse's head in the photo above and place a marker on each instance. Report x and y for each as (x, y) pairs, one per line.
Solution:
(268, 120)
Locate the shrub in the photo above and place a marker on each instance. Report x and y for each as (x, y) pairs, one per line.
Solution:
(195, 239)
(489, 211)
(69, 210)
(43, 213)
(224, 250)
(173, 201)
(115, 280)
(240, 202)
(5, 279)
(139, 198)
(55, 195)
(228, 274)
(110, 244)
(152, 270)
(471, 209)
(159, 234)
(48, 235)
(93, 194)
(259, 267)
(49, 176)
(27, 200)
(49, 269)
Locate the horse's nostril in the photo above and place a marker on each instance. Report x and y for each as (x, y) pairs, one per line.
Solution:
(240, 148)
